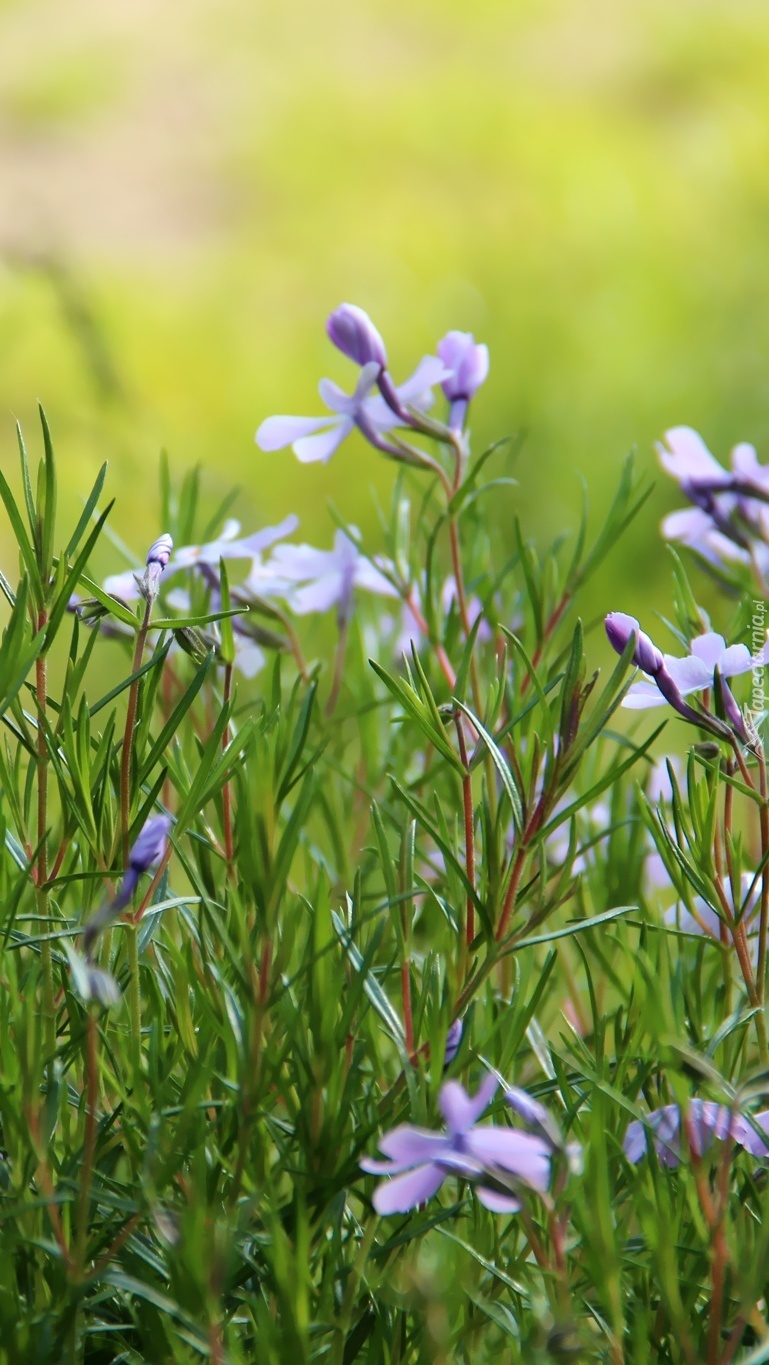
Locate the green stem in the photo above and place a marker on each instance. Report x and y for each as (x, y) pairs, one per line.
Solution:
(89, 1142)
(130, 723)
(226, 790)
(134, 995)
(42, 895)
(351, 1289)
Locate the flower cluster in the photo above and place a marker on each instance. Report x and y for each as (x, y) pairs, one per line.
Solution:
(702, 1122)
(728, 521)
(303, 578)
(377, 406)
(706, 667)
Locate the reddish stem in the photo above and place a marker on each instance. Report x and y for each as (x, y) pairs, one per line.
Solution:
(467, 798)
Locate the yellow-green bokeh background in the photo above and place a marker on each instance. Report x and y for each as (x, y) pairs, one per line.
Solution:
(187, 187)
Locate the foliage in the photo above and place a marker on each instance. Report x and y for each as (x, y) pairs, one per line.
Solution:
(362, 853)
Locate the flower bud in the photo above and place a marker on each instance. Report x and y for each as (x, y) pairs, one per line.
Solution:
(150, 845)
(453, 1040)
(147, 850)
(619, 628)
(159, 552)
(467, 364)
(158, 556)
(729, 708)
(354, 334)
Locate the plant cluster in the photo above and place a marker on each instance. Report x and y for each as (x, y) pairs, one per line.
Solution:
(253, 931)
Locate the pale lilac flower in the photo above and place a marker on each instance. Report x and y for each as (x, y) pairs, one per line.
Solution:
(316, 438)
(328, 578)
(620, 628)
(730, 520)
(468, 366)
(684, 455)
(354, 334)
(420, 1160)
(697, 670)
(704, 1122)
(229, 545)
(695, 528)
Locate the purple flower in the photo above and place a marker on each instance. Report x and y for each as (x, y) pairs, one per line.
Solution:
(420, 1160)
(354, 334)
(707, 666)
(160, 552)
(684, 455)
(697, 670)
(328, 577)
(229, 545)
(316, 438)
(695, 528)
(468, 365)
(147, 850)
(729, 521)
(704, 1122)
(453, 1040)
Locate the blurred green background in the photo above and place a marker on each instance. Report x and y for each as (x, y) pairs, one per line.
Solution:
(187, 189)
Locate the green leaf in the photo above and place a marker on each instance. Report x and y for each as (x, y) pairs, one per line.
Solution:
(501, 765)
(422, 714)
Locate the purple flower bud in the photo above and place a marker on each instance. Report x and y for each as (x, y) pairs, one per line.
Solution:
(150, 845)
(354, 334)
(467, 365)
(160, 552)
(619, 628)
(148, 850)
(732, 713)
(453, 1040)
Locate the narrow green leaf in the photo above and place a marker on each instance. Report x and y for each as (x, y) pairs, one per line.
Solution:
(501, 765)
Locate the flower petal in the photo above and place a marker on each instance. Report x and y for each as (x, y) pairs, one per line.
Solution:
(123, 585)
(321, 447)
(709, 647)
(458, 1109)
(496, 1202)
(405, 1192)
(735, 660)
(687, 458)
(641, 696)
(428, 372)
(414, 1145)
(277, 432)
(523, 1155)
(691, 674)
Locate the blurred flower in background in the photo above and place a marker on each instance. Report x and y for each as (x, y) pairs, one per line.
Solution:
(184, 194)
